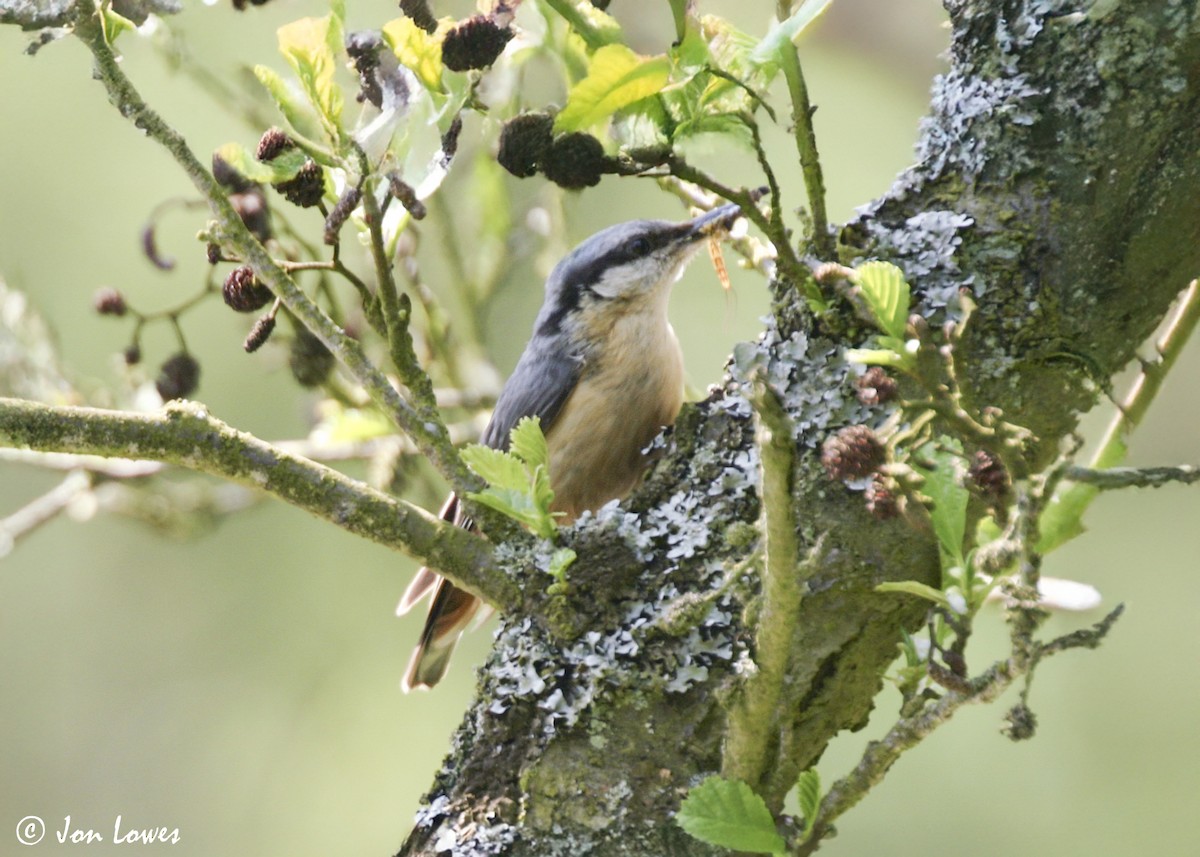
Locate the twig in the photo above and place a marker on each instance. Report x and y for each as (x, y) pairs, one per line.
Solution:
(910, 731)
(806, 143)
(1131, 411)
(114, 468)
(591, 36)
(1074, 502)
(759, 254)
(752, 734)
(397, 314)
(185, 434)
(1134, 477)
(473, 297)
(789, 264)
(42, 509)
(430, 435)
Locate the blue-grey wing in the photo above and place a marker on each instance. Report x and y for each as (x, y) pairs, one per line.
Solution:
(538, 387)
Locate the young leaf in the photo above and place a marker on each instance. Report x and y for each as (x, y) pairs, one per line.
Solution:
(282, 168)
(114, 23)
(887, 295)
(560, 561)
(730, 126)
(679, 13)
(417, 50)
(527, 442)
(943, 485)
(875, 357)
(514, 504)
(1063, 517)
(310, 45)
(519, 479)
(785, 32)
(501, 470)
(299, 116)
(617, 77)
(728, 813)
(913, 587)
(808, 793)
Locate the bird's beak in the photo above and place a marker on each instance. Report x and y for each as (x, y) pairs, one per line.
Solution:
(715, 223)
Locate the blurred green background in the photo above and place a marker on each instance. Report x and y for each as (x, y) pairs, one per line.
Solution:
(242, 685)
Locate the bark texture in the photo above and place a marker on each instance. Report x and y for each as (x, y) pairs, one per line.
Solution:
(1059, 184)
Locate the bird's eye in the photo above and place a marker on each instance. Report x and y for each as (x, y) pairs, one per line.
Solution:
(639, 247)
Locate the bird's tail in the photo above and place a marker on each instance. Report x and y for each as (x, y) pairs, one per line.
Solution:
(449, 615)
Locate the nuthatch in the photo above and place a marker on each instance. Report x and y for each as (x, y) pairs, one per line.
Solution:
(604, 373)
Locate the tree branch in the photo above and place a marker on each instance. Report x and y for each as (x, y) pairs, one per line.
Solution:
(185, 434)
(752, 744)
(429, 433)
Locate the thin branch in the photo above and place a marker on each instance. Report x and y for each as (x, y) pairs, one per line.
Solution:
(1075, 501)
(909, 731)
(42, 509)
(430, 435)
(1131, 411)
(1134, 477)
(113, 468)
(397, 315)
(759, 255)
(592, 36)
(752, 736)
(791, 268)
(185, 434)
(806, 144)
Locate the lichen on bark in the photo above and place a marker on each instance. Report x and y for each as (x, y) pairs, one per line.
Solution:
(1057, 183)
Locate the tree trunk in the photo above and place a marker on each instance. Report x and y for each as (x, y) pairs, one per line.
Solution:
(1059, 184)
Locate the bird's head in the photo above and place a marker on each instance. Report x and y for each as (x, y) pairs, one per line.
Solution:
(626, 268)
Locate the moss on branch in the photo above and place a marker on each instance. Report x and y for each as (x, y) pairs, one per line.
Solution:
(187, 435)
(422, 425)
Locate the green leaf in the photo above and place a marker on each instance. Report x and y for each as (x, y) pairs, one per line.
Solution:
(913, 587)
(501, 470)
(617, 77)
(876, 357)
(560, 561)
(311, 45)
(808, 793)
(417, 50)
(114, 24)
(1062, 519)
(730, 126)
(299, 116)
(728, 813)
(943, 485)
(514, 504)
(733, 51)
(527, 442)
(691, 52)
(679, 13)
(281, 169)
(887, 295)
(784, 33)
(519, 479)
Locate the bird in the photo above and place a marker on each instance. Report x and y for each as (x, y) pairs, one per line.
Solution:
(603, 372)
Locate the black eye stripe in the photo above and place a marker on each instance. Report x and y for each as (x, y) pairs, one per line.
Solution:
(579, 279)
